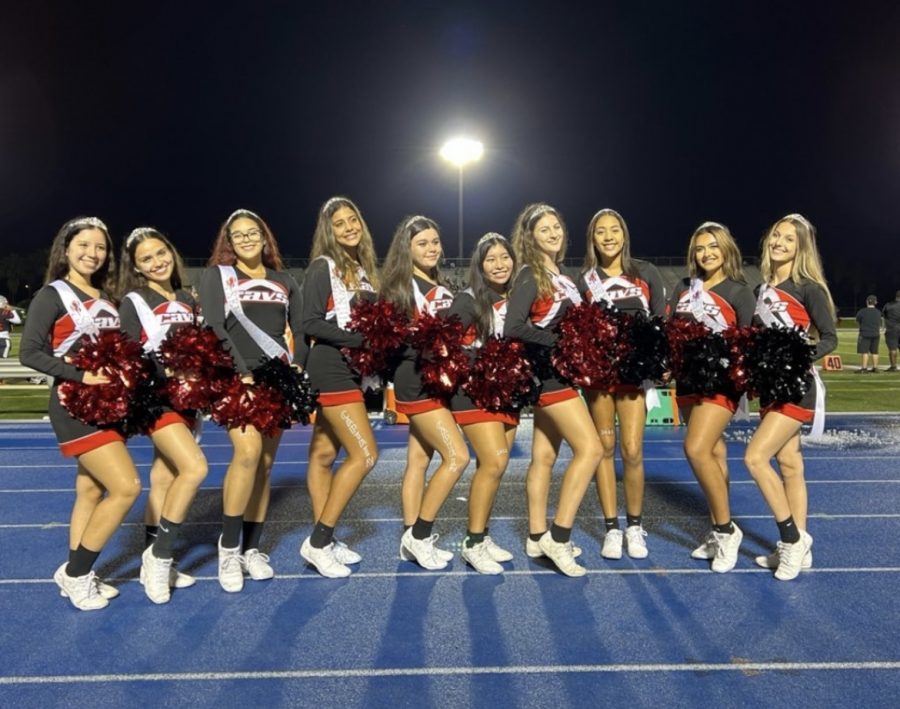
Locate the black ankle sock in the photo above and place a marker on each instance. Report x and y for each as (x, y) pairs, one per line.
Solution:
(474, 538)
(561, 535)
(724, 528)
(633, 520)
(536, 537)
(81, 561)
(168, 531)
(150, 533)
(231, 530)
(611, 523)
(422, 528)
(788, 531)
(322, 536)
(252, 533)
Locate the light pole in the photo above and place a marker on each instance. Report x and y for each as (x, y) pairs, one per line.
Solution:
(461, 152)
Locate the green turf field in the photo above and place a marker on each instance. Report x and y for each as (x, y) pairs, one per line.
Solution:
(847, 391)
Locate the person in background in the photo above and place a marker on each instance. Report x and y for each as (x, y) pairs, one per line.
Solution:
(869, 321)
(891, 313)
(8, 317)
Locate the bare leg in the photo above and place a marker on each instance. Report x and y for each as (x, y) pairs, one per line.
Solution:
(258, 504)
(603, 412)
(632, 418)
(774, 433)
(418, 457)
(241, 474)
(177, 445)
(437, 430)
(111, 466)
(544, 451)
(323, 450)
(490, 441)
(706, 424)
(88, 494)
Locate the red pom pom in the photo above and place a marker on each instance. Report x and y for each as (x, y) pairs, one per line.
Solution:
(442, 359)
(122, 360)
(202, 367)
(383, 327)
(586, 352)
(740, 342)
(501, 378)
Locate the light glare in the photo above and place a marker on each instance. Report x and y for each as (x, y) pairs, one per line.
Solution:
(462, 151)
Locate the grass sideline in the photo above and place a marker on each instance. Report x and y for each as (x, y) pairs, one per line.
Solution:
(846, 390)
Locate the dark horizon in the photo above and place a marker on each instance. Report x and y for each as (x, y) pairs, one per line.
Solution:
(673, 115)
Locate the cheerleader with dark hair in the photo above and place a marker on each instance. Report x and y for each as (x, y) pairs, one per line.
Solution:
(794, 294)
(250, 301)
(412, 282)
(342, 269)
(153, 302)
(716, 296)
(74, 304)
(482, 310)
(540, 296)
(613, 277)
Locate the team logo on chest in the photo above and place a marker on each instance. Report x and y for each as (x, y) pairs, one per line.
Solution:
(104, 314)
(173, 312)
(262, 291)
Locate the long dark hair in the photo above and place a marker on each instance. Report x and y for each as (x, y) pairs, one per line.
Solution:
(129, 277)
(58, 266)
(592, 258)
(398, 264)
(223, 252)
(481, 290)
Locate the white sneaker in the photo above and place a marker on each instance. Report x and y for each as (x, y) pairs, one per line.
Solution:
(104, 589)
(612, 544)
(560, 553)
(707, 550)
(177, 579)
(256, 564)
(534, 551)
(82, 591)
(345, 554)
(497, 553)
(231, 575)
(727, 546)
(324, 560)
(421, 551)
(770, 561)
(635, 543)
(479, 558)
(155, 575)
(791, 557)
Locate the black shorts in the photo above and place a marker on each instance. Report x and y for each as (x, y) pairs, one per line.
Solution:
(867, 345)
(891, 338)
(74, 437)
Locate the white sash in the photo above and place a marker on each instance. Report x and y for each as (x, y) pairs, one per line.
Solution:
(233, 305)
(765, 314)
(697, 308)
(81, 317)
(498, 320)
(154, 330)
(598, 290)
(563, 284)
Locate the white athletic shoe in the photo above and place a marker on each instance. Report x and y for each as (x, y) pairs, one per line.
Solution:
(707, 550)
(256, 564)
(612, 544)
(770, 561)
(324, 560)
(560, 553)
(534, 551)
(345, 554)
(479, 558)
(422, 551)
(635, 542)
(104, 589)
(727, 547)
(82, 591)
(155, 576)
(791, 557)
(497, 553)
(231, 575)
(177, 579)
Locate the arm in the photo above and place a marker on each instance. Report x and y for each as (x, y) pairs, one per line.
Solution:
(518, 323)
(129, 321)
(823, 319)
(316, 289)
(212, 299)
(657, 291)
(295, 320)
(464, 308)
(35, 350)
(14, 318)
(744, 306)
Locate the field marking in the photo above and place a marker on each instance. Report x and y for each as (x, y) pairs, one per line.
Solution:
(464, 671)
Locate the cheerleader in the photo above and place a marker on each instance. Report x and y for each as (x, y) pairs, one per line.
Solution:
(412, 281)
(482, 310)
(794, 293)
(73, 304)
(250, 302)
(154, 300)
(342, 269)
(541, 294)
(612, 276)
(715, 295)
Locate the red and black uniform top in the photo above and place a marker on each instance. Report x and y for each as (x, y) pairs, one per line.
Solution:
(272, 303)
(645, 292)
(168, 314)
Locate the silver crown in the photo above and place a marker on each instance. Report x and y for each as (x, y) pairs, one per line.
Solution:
(139, 232)
(88, 222)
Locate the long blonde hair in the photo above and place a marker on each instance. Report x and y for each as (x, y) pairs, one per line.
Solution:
(325, 244)
(731, 254)
(807, 264)
(526, 248)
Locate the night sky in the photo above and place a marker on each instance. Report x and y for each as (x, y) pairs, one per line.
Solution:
(671, 112)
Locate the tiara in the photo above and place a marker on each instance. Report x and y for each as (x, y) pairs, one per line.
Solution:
(334, 200)
(139, 232)
(490, 235)
(243, 213)
(84, 222)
